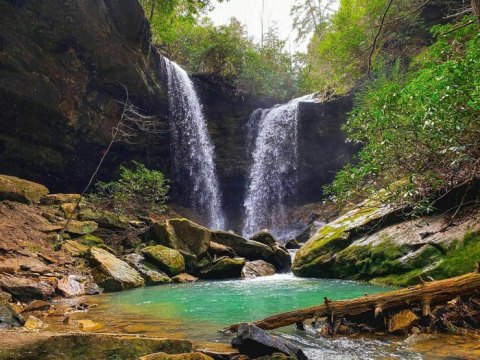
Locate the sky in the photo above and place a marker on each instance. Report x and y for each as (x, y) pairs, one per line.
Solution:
(249, 13)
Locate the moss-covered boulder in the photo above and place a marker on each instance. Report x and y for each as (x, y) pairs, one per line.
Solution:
(20, 190)
(111, 273)
(58, 199)
(223, 268)
(169, 260)
(151, 274)
(79, 227)
(74, 248)
(249, 249)
(83, 346)
(181, 234)
(314, 257)
(105, 218)
(90, 240)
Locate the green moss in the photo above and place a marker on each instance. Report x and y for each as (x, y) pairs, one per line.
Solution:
(90, 240)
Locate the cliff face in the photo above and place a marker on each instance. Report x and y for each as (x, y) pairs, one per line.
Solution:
(62, 67)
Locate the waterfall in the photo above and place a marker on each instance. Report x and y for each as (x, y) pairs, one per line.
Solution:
(192, 150)
(273, 177)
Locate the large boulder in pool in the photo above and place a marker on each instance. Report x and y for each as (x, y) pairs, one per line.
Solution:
(265, 237)
(255, 342)
(20, 190)
(181, 234)
(257, 268)
(281, 258)
(111, 273)
(249, 249)
(151, 274)
(169, 260)
(223, 268)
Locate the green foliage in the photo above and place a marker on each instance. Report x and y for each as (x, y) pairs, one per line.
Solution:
(338, 55)
(227, 51)
(137, 188)
(422, 127)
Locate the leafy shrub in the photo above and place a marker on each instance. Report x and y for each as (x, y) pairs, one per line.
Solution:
(422, 127)
(137, 188)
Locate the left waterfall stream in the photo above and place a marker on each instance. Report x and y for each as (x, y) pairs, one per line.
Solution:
(193, 153)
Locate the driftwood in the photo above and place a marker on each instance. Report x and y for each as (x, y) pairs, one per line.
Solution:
(425, 295)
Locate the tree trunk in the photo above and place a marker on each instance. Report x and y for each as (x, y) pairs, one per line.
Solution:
(476, 8)
(426, 294)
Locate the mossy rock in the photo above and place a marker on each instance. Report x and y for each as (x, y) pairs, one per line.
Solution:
(20, 190)
(104, 218)
(90, 240)
(181, 234)
(79, 227)
(83, 346)
(75, 248)
(169, 260)
(58, 199)
(111, 273)
(223, 268)
(314, 257)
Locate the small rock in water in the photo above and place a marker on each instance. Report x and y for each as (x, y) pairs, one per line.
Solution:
(70, 287)
(33, 323)
(184, 278)
(37, 305)
(89, 325)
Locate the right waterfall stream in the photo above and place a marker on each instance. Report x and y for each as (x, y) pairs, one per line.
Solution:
(273, 177)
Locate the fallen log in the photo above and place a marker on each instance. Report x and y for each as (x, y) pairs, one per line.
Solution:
(426, 295)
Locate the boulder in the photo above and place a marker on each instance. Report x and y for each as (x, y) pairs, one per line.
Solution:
(37, 305)
(58, 199)
(249, 249)
(112, 273)
(33, 323)
(79, 227)
(223, 268)
(181, 234)
(168, 260)
(70, 287)
(314, 257)
(292, 244)
(281, 259)
(90, 240)
(186, 356)
(151, 274)
(105, 218)
(264, 237)
(26, 289)
(20, 190)
(184, 278)
(75, 249)
(9, 316)
(255, 342)
(253, 269)
(217, 249)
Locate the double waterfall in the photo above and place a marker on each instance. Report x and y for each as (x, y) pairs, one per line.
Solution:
(273, 177)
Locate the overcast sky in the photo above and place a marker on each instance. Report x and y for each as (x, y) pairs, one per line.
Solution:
(249, 12)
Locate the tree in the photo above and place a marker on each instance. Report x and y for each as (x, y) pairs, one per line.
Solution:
(310, 16)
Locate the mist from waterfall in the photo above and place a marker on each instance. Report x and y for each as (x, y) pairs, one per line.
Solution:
(192, 150)
(273, 178)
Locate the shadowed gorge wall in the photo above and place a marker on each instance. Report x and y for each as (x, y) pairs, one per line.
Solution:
(61, 66)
